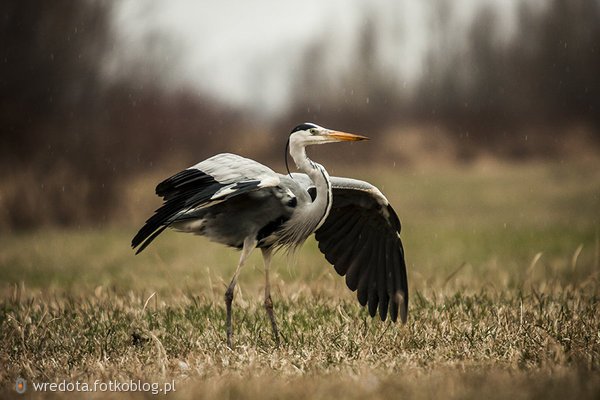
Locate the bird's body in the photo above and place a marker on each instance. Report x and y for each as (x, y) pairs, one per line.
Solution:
(262, 206)
(241, 203)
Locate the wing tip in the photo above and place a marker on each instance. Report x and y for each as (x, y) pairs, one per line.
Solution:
(143, 239)
(402, 302)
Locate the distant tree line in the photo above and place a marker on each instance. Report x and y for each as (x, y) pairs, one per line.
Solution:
(546, 76)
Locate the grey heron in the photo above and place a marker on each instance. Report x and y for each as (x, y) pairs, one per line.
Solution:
(243, 204)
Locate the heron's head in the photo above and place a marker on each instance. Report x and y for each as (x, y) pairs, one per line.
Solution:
(309, 133)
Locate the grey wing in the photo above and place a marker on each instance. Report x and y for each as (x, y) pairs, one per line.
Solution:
(227, 168)
(209, 182)
(361, 238)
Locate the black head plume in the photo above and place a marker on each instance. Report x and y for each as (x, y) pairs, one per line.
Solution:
(304, 127)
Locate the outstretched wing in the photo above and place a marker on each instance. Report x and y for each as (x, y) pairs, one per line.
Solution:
(209, 182)
(361, 238)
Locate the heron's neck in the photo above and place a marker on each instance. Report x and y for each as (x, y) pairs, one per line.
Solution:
(320, 207)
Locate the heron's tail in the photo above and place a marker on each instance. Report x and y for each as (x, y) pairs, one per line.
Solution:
(181, 192)
(184, 192)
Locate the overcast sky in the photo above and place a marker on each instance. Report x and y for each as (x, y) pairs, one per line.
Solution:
(247, 53)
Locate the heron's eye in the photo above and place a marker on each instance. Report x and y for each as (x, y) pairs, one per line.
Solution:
(313, 131)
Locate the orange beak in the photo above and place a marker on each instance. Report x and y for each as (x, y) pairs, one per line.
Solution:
(346, 137)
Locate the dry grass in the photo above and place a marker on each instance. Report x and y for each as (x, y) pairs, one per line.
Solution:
(504, 302)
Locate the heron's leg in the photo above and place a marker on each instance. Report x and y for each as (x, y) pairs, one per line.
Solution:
(249, 245)
(268, 302)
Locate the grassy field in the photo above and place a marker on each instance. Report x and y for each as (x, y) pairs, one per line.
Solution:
(503, 273)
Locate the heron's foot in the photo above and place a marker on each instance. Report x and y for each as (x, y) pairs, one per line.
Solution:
(229, 327)
(269, 307)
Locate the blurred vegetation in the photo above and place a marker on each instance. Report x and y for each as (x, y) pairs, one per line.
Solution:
(514, 98)
(73, 136)
(70, 135)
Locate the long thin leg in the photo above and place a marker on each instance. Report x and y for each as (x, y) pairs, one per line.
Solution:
(268, 302)
(249, 245)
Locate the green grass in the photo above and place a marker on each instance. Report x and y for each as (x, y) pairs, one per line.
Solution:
(503, 271)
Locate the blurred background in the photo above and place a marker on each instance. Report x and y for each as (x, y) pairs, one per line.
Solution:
(97, 97)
